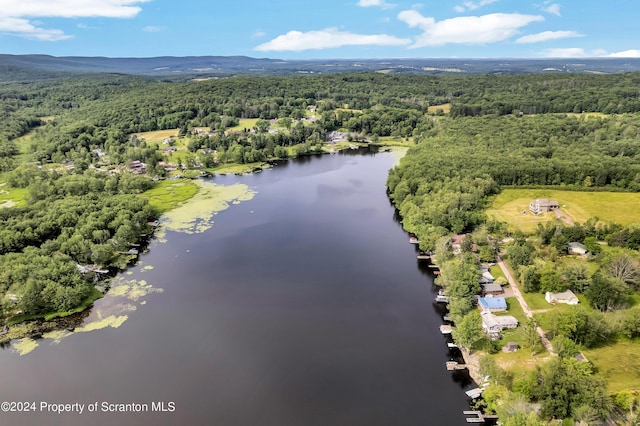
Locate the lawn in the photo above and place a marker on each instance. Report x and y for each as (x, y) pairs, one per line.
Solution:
(619, 364)
(619, 207)
(446, 108)
(12, 196)
(245, 123)
(168, 194)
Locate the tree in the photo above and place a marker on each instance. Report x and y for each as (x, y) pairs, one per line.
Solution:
(625, 268)
(262, 126)
(606, 293)
(576, 276)
(468, 330)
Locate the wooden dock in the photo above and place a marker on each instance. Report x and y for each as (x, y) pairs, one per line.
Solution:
(454, 365)
(423, 257)
(479, 416)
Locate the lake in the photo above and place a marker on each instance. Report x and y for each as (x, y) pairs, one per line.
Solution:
(304, 305)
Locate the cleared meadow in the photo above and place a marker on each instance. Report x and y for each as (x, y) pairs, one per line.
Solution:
(512, 206)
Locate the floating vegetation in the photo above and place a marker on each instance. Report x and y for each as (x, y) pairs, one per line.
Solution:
(110, 311)
(110, 321)
(56, 335)
(195, 215)
(146, 268)
(24, 346)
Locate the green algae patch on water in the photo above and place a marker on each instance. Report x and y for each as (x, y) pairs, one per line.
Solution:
(110, 321)
(195, 215)
(110, 311)
(56, 335)
(24, 346)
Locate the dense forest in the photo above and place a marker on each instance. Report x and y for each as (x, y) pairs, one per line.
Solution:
(82, 205)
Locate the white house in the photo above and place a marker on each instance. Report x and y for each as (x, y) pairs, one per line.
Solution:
(567, 297)
(493, 323)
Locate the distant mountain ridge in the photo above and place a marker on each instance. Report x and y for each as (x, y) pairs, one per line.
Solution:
(224, 65)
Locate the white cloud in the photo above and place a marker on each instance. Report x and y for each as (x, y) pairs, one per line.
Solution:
(151, 29)
(483, 29)
(258, 34)
(633, 53)
(578, 52)
(15, 15)
(553, 9)
(376, 3)
(473, 5)
(548, 36)
(24, 28)
(328, 38)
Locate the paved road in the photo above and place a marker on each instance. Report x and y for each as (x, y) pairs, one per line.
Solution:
(516, 292)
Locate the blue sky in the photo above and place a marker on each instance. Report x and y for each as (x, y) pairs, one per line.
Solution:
(322, 29)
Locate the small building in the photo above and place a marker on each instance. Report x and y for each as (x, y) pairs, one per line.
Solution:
(492, 304)
(543, 205)
(492, 289)
(494, 324)
(511, 347)
(486, 278)
(567, 297)
(577, 248)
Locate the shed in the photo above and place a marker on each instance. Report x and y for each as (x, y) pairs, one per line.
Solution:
(577, 248)
(510, 347)
(492, 304)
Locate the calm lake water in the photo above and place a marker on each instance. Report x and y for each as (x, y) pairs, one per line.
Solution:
(302, 306)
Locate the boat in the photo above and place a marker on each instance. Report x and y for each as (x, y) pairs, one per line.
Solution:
(414, 240)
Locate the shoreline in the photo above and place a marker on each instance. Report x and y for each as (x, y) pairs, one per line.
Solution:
(35, 327)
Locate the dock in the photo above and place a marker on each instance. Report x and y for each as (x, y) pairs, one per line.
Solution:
(480, 417)
(445, 329)
(474, 393)
(423, 257)
(455, 365)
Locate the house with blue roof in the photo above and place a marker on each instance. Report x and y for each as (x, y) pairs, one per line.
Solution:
(492, 304)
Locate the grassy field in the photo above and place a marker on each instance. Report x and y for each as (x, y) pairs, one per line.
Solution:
(620, 207)
(158, 135)
(12, 196)
(168, 194)
(619, 364)
(446, 108)
(588, 114)
(245, 123)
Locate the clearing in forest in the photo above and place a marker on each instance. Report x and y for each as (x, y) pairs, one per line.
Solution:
(512, 206)
(446, 108)
(158, 135)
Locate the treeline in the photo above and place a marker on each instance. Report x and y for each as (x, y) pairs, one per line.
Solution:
(103, 109)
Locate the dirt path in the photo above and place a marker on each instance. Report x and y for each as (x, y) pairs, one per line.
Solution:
(563, 216)
(527, 311)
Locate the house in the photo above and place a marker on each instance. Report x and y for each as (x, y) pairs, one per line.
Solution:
(577, 248)
(567, 297)
(543, 205)
(494, 324)
(492, 289)
(486, 278)
(492, 304)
